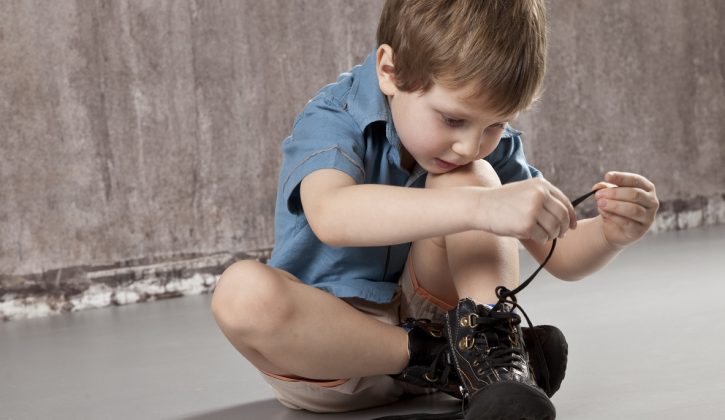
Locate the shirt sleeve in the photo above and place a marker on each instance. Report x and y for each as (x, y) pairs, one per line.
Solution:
(509, 161)
(324, 136)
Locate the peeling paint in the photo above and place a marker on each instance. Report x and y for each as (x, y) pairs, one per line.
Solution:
(14, 306)
(25, 308)
(81, 288)
(687, 214)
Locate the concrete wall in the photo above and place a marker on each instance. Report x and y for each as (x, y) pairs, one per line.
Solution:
(637, 86)
(140, 139)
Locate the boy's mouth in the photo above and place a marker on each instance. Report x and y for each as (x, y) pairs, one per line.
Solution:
(445, 164)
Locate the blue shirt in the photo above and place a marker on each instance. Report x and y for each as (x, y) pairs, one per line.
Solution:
(348, 126)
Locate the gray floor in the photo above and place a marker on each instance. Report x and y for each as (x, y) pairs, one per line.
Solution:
(646, 341)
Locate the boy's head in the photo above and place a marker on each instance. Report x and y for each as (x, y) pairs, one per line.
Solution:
(456, 71)
(494, 48)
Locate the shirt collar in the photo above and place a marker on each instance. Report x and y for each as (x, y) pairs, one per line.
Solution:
(510, 132)
(366, 103)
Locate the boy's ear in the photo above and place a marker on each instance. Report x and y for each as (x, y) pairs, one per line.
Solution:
(386, 70)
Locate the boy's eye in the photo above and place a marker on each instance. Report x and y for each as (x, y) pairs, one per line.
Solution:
(452, 122)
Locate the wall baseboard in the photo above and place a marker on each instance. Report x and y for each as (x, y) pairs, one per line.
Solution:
(692, 213)
(85, 287)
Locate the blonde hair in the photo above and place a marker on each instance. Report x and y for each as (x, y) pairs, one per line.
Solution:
(495, 47)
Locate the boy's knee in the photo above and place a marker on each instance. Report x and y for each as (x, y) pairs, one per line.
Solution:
(478, 173)
(244, 295)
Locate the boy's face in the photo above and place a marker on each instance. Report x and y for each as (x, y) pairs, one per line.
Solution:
(440, 129)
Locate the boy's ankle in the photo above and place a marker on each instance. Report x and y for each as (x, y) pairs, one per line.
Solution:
(430, 364)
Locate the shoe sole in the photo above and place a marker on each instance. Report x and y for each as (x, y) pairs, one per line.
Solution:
(510, 400)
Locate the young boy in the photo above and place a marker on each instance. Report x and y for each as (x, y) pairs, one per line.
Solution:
(391, 208)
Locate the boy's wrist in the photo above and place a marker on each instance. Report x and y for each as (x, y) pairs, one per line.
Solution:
(466, 206)
(479, 205)
(607, 245)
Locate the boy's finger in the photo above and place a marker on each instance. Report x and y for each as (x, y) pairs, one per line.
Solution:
(563, 199)
(551, 224)
(539, 235)
(633, 195)
(559, 216)
(602, 185)
(627, 179)
(623, 222)
(631, 211)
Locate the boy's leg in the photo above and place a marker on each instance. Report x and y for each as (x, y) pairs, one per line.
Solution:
(442, 270)
(269, 315)
(493, 369)
(467, 264)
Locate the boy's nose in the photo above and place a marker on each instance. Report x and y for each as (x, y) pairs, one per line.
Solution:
(467, 148)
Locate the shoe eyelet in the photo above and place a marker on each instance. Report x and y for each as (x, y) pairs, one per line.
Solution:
(468, 320)
(466, 343)
(430, 378)
(476, 363)
(479, 371)
(435, 333)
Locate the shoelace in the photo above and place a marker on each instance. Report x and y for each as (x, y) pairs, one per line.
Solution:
(504, 356)
(506, 296)
(494, 331)
(440, 358)
(509, 296)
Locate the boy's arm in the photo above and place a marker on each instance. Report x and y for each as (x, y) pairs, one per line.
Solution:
(626, 211)
(343, 213)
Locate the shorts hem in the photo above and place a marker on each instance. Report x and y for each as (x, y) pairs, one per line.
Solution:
(321, 383)
(423, 293)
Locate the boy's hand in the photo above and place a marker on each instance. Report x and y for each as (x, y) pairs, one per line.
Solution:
(532, 209)
(628, 204)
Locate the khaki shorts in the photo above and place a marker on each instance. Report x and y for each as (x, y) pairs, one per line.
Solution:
(410, 301)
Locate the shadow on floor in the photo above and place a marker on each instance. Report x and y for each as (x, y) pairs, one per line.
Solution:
(272, 410)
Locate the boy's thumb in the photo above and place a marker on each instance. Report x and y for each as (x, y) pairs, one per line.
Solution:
(602, 185)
